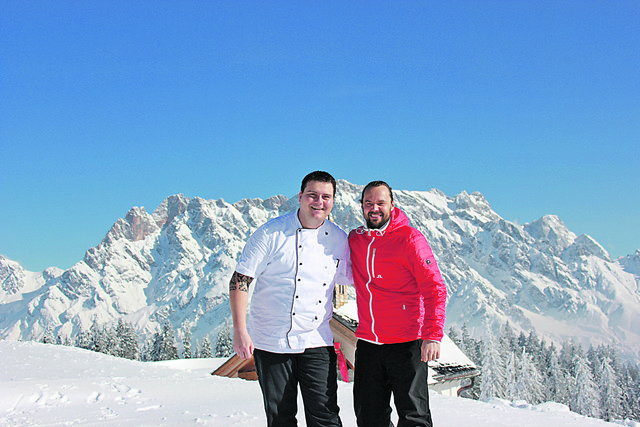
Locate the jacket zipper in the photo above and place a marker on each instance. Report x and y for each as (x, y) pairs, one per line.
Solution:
(371, 273)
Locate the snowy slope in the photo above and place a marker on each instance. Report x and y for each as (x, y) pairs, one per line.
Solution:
(174, 264)
(43, 384)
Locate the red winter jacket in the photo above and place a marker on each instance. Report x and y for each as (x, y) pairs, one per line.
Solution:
(400, 292)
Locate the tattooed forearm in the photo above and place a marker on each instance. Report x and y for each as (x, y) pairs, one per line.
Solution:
(239, 282)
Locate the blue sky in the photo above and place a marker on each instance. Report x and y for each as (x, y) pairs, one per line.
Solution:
(106, 105)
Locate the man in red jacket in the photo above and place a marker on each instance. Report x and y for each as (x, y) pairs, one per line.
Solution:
(401, 308)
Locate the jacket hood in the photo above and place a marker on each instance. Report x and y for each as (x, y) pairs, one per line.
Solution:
(398, 219)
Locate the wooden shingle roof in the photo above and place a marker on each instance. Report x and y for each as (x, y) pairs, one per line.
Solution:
(236, 367)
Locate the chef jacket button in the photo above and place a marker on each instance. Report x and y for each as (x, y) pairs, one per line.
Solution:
(324, 284)
(297, 296)
(316, 317)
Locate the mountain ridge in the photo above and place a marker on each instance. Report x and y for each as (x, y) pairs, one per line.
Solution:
(175, 262)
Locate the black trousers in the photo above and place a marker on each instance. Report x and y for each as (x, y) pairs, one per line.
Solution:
(314, 371)
(383, 370)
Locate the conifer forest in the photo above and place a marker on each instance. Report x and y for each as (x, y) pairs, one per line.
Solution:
(594, 382)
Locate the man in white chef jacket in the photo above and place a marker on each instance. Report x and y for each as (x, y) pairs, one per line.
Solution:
(294, 262)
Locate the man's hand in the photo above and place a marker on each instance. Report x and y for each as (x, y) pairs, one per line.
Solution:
(242, 343)
(430, 350)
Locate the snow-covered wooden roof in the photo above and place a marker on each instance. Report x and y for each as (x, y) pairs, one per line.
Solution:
(235, 367)
(453, 364)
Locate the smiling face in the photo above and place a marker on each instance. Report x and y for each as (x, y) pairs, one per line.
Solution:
(377, 206)
(316, 202)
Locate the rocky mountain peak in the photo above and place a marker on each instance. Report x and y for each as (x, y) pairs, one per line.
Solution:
(170, 208)
(550, 230)
(136, 225)
(631, 263)
(11, 276)
(585, 245)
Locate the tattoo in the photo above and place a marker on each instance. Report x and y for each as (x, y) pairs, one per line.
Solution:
(239, 282)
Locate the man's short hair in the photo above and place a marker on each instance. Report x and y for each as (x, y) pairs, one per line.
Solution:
(376, 184)
(320, 176)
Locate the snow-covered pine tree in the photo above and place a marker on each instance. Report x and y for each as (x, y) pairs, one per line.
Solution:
(469, 345)
(146, 353)
(186, 340)
(493, 373)
(170, 341)
(224, 343)
(537, 348)
(473, 350)
(569, 354)
(534, 345)
(83, 339)
(99, 341)
(585, 398)
(157, 347)
(196, 353)
(113, 342)
(528, 381)
(454, 335)
(521, 342)
(128, 340)
(49, 337)
(558, 384)
(548, 353)
(205, 349)
(596, 356)
(64, 340)
(507, 339)
(630, 379)
(610, 393)
(511, 376)
(164, 346)
(185, 336)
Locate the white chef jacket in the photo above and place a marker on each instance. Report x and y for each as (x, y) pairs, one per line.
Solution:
(295, 271)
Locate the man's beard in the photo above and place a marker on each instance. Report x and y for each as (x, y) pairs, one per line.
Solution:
(380, 224)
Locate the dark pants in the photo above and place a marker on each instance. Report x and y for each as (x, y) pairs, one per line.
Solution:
(381, 370)
(314, 371)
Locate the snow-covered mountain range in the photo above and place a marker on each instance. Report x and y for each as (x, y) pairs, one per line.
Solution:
(175, 263)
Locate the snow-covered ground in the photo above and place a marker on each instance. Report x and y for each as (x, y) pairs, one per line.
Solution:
(48, 385)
